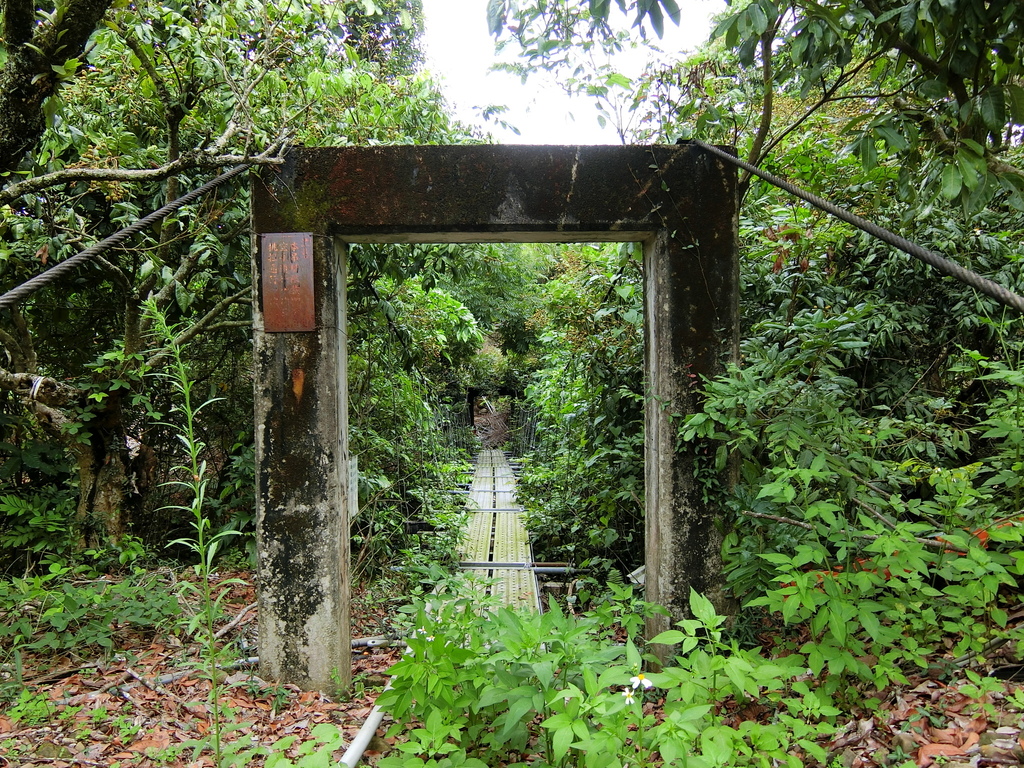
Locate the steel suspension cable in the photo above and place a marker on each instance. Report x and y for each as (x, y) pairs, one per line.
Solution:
(32, 285)
(988, 287)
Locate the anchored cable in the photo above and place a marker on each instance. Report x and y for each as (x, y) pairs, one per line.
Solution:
(988, 287)
(32, 285)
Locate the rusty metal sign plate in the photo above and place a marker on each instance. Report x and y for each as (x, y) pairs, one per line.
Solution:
(288, 300)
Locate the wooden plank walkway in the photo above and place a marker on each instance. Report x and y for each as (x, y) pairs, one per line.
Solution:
(496, 534)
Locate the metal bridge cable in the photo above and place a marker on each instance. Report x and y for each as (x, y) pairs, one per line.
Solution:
(944, 265)
(32, 285)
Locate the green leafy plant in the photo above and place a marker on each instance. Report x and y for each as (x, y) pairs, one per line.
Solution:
(316, 752)
(30, 709)
(889, 534)
(483, 688)
(73, 607)
(583, 484)
(205, 544)
(36, 522)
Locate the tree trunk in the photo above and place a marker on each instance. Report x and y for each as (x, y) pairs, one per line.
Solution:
(28, 78)
(103, 482)
(115, 472)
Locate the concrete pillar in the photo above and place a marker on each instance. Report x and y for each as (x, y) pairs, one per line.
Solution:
(691, 324)
(301, 395)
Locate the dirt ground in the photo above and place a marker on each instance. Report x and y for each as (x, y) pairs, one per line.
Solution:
(144, 704)
(491, 429)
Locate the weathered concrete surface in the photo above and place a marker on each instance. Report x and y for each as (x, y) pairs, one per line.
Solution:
(690, 290)
(301, 471)
(677, 200)
(482, 193)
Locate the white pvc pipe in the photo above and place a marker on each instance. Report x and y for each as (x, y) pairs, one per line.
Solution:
(362, 740)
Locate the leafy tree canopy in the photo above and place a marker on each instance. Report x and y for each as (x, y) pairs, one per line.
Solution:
(159, 96)
(938, 82)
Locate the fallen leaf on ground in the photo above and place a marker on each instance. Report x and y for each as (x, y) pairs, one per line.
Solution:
(157, 739)
(952, 736)
(926, 755)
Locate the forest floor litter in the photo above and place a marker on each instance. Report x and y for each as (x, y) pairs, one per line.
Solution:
(143, 704)
(138, 706)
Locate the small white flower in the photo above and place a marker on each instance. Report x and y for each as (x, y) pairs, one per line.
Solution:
(639, 680)
(627, 693)
(421, 631)
(430, 638)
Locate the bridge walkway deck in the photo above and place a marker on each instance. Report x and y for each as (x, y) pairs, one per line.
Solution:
(496, 534)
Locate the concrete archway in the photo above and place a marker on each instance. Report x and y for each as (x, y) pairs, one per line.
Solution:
(678, 201)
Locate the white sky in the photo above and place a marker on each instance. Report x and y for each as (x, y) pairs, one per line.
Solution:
(460, 51)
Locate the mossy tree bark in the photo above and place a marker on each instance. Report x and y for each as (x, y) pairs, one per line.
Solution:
(28, 78)
(113, 476)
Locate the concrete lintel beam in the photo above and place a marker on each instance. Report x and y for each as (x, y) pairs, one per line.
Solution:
(479, 193)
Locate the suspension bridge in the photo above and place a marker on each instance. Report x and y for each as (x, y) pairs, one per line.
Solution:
(496, 550)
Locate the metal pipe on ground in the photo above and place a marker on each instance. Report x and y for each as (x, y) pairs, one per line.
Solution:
(355, 750)
(376, 641)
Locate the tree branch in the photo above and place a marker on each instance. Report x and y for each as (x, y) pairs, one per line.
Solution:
(41, 389)
(767, 105)
(230, 323)
(828, 96)
(26, 347)
(116, 272)
(895, 40)
(203, 324)
(234, 622)
(8, 342)
(999, 166)
(778, 519)
(147, 64)
(949, 146)
(185, 162)
(180, 277)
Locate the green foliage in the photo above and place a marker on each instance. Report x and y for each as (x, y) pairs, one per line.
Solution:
(72, 608)
(185, 88)
(30, 709)
(946, 72)
(583, 485)
(235, 503)
(386, 33)
(35, 522)
(888, 530)
(487, 688)
(37, 509)
(499, 284)
(873, 420)
(408, 442)
(544, 22)
(28, 459)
